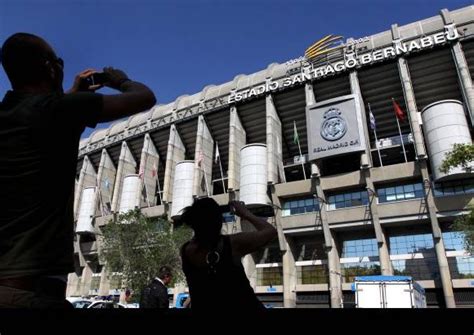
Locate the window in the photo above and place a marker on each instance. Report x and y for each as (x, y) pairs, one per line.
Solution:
(228, 217)
(409, 244)
(461, 267)
(348, 199)
(352, 270)
(419, 268)
(400, 192)
(359, 248)
(453, 240)
(270, 276)
(300, 206)
(313, 274)
(454, 187)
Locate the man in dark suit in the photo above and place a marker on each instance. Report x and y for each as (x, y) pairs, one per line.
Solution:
(155, 295)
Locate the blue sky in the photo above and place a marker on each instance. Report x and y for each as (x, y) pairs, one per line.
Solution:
(178, 47)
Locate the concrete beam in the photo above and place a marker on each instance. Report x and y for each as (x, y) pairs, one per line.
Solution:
(203, 160)
(175, 154)
(237, 139)
(149, 162)
(127, 165)
(106, 180)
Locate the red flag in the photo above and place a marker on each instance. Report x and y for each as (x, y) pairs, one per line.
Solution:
(400, 114)
(154, 170)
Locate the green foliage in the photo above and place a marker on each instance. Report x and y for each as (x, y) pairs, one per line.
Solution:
(465, 224)
(461, 155)
(137, 246)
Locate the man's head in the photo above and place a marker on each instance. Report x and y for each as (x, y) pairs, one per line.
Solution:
(165, 274)
(30, 62)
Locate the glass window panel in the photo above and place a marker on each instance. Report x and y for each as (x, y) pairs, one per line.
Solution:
(399, 190)
(409, 188)
(390, 190)
(339, 197)
(458, 189)
(418, 186)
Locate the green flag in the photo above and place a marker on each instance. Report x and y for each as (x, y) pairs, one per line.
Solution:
(296, 138)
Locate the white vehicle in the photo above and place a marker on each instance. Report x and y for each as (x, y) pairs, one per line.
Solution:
(79, 302)
(388, 292)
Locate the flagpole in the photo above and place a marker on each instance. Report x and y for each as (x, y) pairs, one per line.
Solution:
(220, 167)
(299, 148)
(101, 202)
(158, 187)
(401, 139)
(205, 181)
(375, 135)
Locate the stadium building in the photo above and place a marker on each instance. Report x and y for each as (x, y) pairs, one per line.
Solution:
(340, 149)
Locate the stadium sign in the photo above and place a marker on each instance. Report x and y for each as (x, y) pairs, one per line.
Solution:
(351, 60)
(335, 127)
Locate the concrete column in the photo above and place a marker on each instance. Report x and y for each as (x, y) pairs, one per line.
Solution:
(203, 167)
(73, 281)
(355, 89)
(289, 275)
(464, 78)
(289, 265)
(274, 141)
(104, 286)
(126, 166)
(237, 139)
(309, 93)
(335, 287)
(175, 153)
(105, 181)
(438, 239)
(87, 178)
(410, 101)
(384, 255)
(149, 161)
(461, 64)
(86, 279)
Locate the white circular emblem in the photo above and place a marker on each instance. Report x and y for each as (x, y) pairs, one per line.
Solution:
(334, 126)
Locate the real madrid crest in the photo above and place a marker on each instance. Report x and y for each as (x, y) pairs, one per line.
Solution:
(334, 126)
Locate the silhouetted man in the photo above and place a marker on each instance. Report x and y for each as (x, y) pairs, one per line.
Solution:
(155, 295)
(40, 128)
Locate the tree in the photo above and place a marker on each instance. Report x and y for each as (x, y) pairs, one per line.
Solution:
(137, 246)
(462, 155)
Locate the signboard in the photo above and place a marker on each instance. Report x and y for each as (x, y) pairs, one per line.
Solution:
(335, 127)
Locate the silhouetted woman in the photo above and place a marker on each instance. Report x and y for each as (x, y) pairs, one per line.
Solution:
(212, 262)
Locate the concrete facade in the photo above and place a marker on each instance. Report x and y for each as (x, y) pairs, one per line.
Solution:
(370, 212)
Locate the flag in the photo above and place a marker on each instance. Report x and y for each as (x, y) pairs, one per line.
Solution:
(154, 170)
(203, 183)
(372, 120)
(200, 158)
(296, 138)
(107, 183)
(217, 156)
(398, 111)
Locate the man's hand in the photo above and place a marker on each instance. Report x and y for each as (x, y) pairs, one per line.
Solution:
(80, 83)
(116, 77)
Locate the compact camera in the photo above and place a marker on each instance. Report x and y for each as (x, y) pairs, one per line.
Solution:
(98, 78)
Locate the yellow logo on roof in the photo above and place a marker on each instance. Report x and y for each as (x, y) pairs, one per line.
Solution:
(323, 46)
